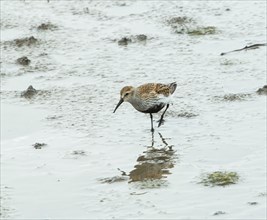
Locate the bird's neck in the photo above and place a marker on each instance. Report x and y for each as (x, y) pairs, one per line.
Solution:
(136, 102)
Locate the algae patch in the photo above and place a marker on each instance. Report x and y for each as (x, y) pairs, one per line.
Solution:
(233, 97)
(27, 41)
(141, 37)
(179, 21)
(186, 25)
(209, 30)
(219, 178)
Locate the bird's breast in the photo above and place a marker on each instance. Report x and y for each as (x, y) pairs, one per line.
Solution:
(148, 105)
(154, 109)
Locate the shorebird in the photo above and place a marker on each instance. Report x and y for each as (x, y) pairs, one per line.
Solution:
(148, 98)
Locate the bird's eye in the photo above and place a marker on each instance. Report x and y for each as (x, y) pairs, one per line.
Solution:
(126, 94)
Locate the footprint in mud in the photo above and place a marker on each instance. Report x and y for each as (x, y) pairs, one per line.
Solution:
(253, 203)
(140, 38)
(79, 152)
(154, 165)
(219, 213)
(39, 145)
(76, 154)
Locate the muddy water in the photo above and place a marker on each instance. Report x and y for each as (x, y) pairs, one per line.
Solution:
(81, 53)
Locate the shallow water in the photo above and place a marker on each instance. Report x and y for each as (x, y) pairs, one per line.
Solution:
(79, 68)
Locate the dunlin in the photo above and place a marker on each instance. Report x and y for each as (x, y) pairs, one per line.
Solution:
(148, 98)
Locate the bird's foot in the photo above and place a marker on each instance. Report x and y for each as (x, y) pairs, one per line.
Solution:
(161, 122)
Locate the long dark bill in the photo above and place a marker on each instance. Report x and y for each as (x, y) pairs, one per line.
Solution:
(120, 102)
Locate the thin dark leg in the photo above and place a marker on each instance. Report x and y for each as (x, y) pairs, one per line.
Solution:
(161, 118)
(152, 142)
(163, 140)
(151, 117)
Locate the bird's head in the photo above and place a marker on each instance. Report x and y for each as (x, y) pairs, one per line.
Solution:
(126, 95)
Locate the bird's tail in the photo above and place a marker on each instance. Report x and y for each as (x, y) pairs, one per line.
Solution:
(172, 87)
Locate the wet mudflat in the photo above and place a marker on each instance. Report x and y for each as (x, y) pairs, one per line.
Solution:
(63, 64)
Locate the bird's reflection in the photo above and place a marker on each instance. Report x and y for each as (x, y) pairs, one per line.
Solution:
(155, 162)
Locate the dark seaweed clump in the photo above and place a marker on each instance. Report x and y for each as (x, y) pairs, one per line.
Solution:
(262, 91)
(39, 145)
(124, 41)
(29, 92)
(25, 61)
(46, 26)
(27, 41)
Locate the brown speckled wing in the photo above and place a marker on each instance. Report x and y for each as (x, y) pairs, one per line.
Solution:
(147, 91)
(162, 89)
(152, 90)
